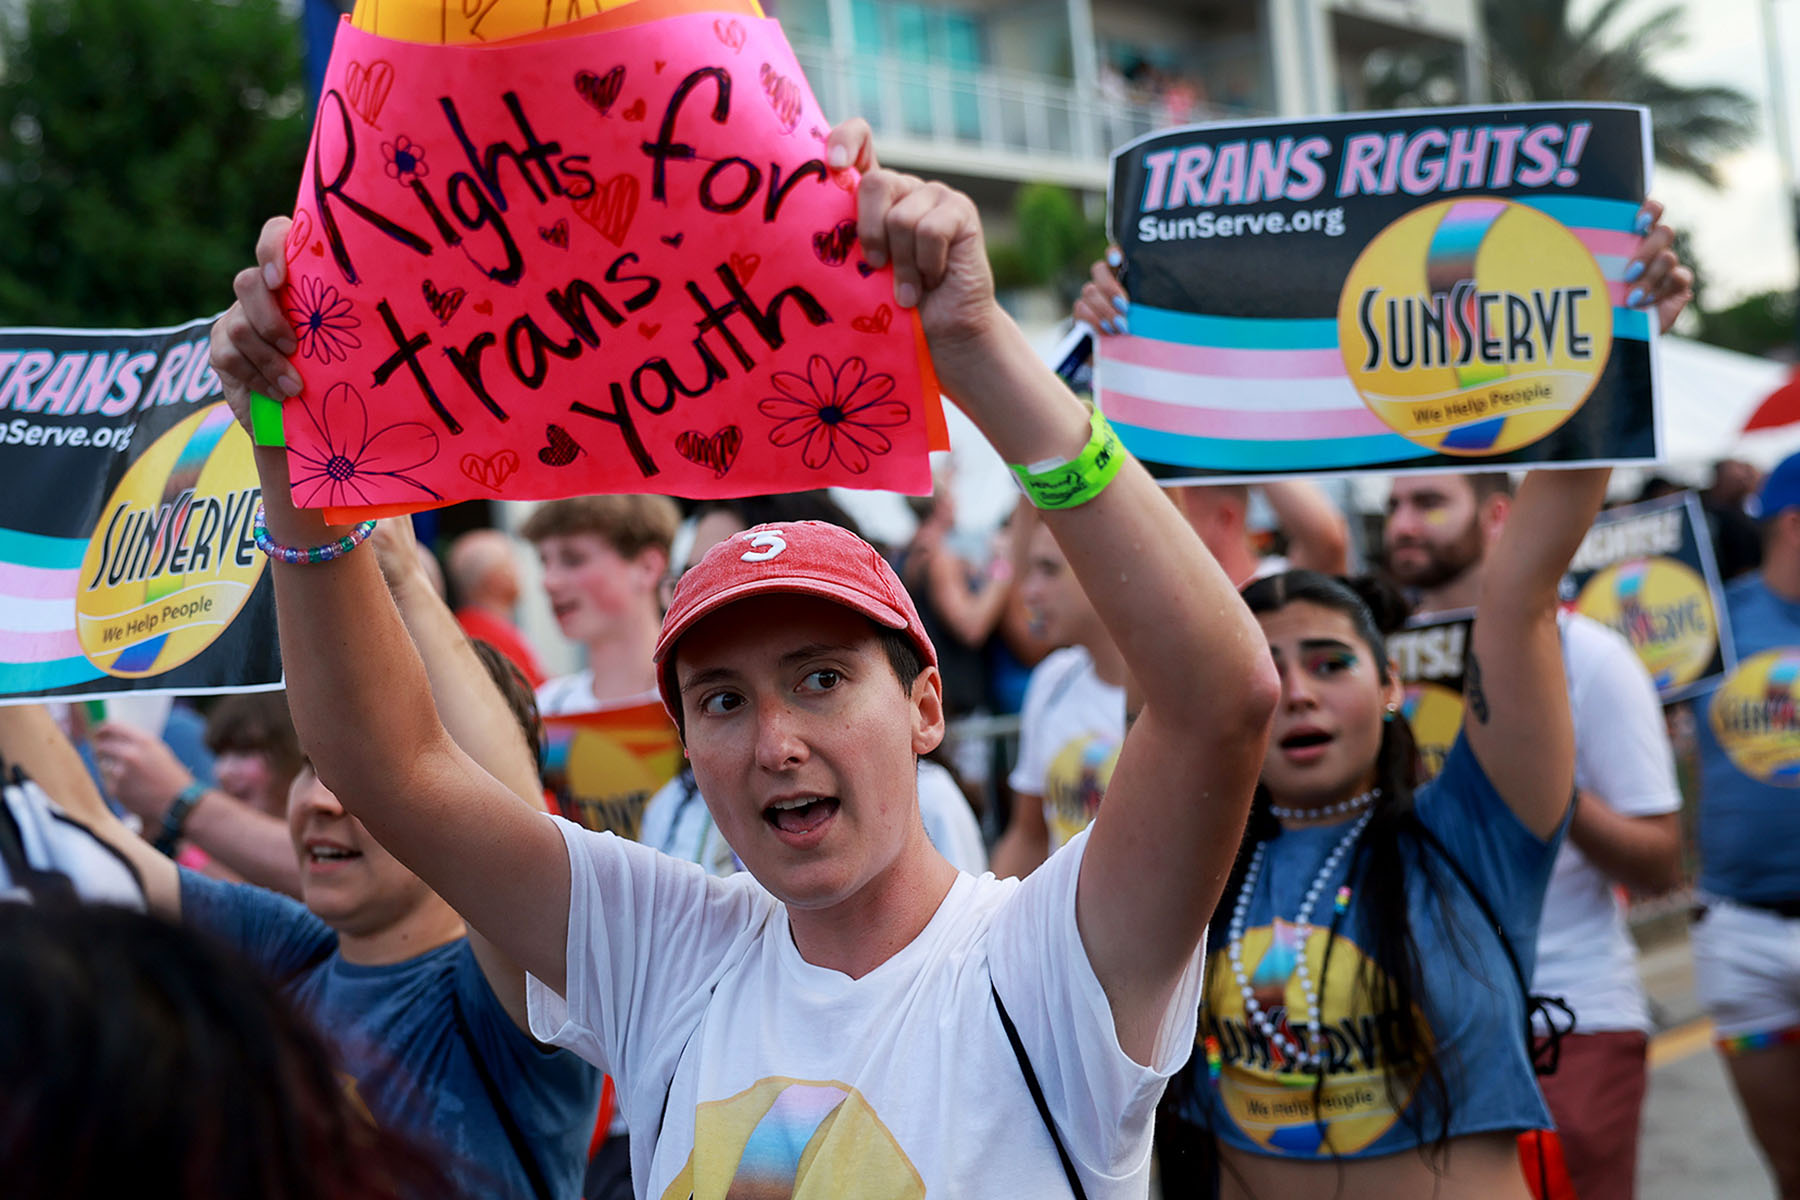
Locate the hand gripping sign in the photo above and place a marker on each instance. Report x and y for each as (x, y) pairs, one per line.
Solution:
(602, 263)
(1382, 292)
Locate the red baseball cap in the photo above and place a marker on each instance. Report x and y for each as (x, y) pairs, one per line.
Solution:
(807, 558)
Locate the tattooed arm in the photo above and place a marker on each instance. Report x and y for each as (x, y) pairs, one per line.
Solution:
(1516, 703)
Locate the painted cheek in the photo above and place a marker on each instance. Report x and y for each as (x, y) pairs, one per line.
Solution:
(1437, 518)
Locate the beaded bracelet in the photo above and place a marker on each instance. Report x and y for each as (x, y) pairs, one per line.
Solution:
(307, 554)
(1061, 483)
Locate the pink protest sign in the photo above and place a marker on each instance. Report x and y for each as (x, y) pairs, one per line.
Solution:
(611, 263)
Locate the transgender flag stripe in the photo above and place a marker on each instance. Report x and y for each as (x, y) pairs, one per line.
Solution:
(1264, 393)
(39, 577)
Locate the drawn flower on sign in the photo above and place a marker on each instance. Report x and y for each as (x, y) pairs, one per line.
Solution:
(323, 321)
(405, 160)
(834, 412)
(346, 464)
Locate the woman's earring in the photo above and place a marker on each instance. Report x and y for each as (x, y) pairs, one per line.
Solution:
(1392, 711)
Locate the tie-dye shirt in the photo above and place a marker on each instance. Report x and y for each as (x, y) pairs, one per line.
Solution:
(782, 1078)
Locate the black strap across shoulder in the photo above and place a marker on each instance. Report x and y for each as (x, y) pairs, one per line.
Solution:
(540, 1187)
(1037, 1094)
(1559, 1018)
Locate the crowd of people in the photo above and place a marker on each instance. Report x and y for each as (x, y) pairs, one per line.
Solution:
(1220, 929)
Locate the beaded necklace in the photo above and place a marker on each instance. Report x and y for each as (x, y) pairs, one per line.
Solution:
(1341, 808)
(1303, 921)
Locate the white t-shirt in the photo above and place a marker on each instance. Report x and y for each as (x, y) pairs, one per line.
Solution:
(1070, 728)
(677, 823)
(784, 1078)
(571, 695)
(1585, 952)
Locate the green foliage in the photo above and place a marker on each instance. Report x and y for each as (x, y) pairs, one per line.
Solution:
(1539, 51)
(1056, 242)
(1758, 324)
(142, 144)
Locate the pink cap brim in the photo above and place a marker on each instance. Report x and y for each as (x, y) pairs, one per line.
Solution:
(857, 601)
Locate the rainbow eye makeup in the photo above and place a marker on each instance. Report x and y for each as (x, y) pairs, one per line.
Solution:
(1330, 662)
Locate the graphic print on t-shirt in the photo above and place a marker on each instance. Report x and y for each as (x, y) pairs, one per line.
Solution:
(1264, 1093)
(794, 1138)
(1074, 783)
(604, 766)
(1755, 715)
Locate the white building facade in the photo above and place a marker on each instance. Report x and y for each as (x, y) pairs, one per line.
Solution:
(992, 93)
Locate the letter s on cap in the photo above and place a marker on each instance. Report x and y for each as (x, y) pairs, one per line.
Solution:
(768, 545)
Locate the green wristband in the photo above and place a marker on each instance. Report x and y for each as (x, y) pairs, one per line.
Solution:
(1060, 483)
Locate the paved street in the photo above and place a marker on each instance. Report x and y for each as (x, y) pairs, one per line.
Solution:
(1694, 1141)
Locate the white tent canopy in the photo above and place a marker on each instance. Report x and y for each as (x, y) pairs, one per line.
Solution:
(1708, 394)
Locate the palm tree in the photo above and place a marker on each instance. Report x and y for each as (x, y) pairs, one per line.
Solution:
(1539, 51)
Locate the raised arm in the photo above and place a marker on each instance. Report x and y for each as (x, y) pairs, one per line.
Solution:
(143, 774)
(361, 699)
(1516, 701)
(1158, 853)
(1515, 696)
(474, 712)
(971, 613)
(1318, 534)
(31, 738)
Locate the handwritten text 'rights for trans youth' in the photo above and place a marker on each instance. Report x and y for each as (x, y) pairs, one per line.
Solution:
(1422, 162)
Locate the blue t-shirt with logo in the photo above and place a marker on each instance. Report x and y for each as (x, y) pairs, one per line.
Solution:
(395, 1032)
(1749, 734)
(1472, 1002)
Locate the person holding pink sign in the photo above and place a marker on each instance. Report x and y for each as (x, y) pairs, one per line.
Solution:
(852, 1015)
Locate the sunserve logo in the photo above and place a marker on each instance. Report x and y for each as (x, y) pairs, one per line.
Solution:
(1756, 716)
(173, 558)
(1475, 326)
(1271, 1099)
(1663, 609)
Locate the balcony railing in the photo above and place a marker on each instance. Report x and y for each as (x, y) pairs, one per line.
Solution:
(1004, 124)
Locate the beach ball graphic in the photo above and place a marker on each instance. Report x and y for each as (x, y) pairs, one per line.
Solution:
(1663, 608)
(173, 557)
(1755, 714)
(1475, 326)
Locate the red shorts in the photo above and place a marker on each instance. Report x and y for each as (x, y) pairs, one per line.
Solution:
(1597, 1096)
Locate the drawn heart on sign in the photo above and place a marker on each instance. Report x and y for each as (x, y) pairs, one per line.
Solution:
(636, 111)
(864, 269)
(298, 232)
(833, 245)
(875, 323)
(318, 248)
(443, 304)
(367, 88)
(784, 97)
(600, 90)
(729, 32)
(744, 265)
(659, 64)
(649, 329)
(715, 453)
(610, 207)
(492, 471)
(559, 449)
(674, 240)
(484, 307)
(557, 235)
